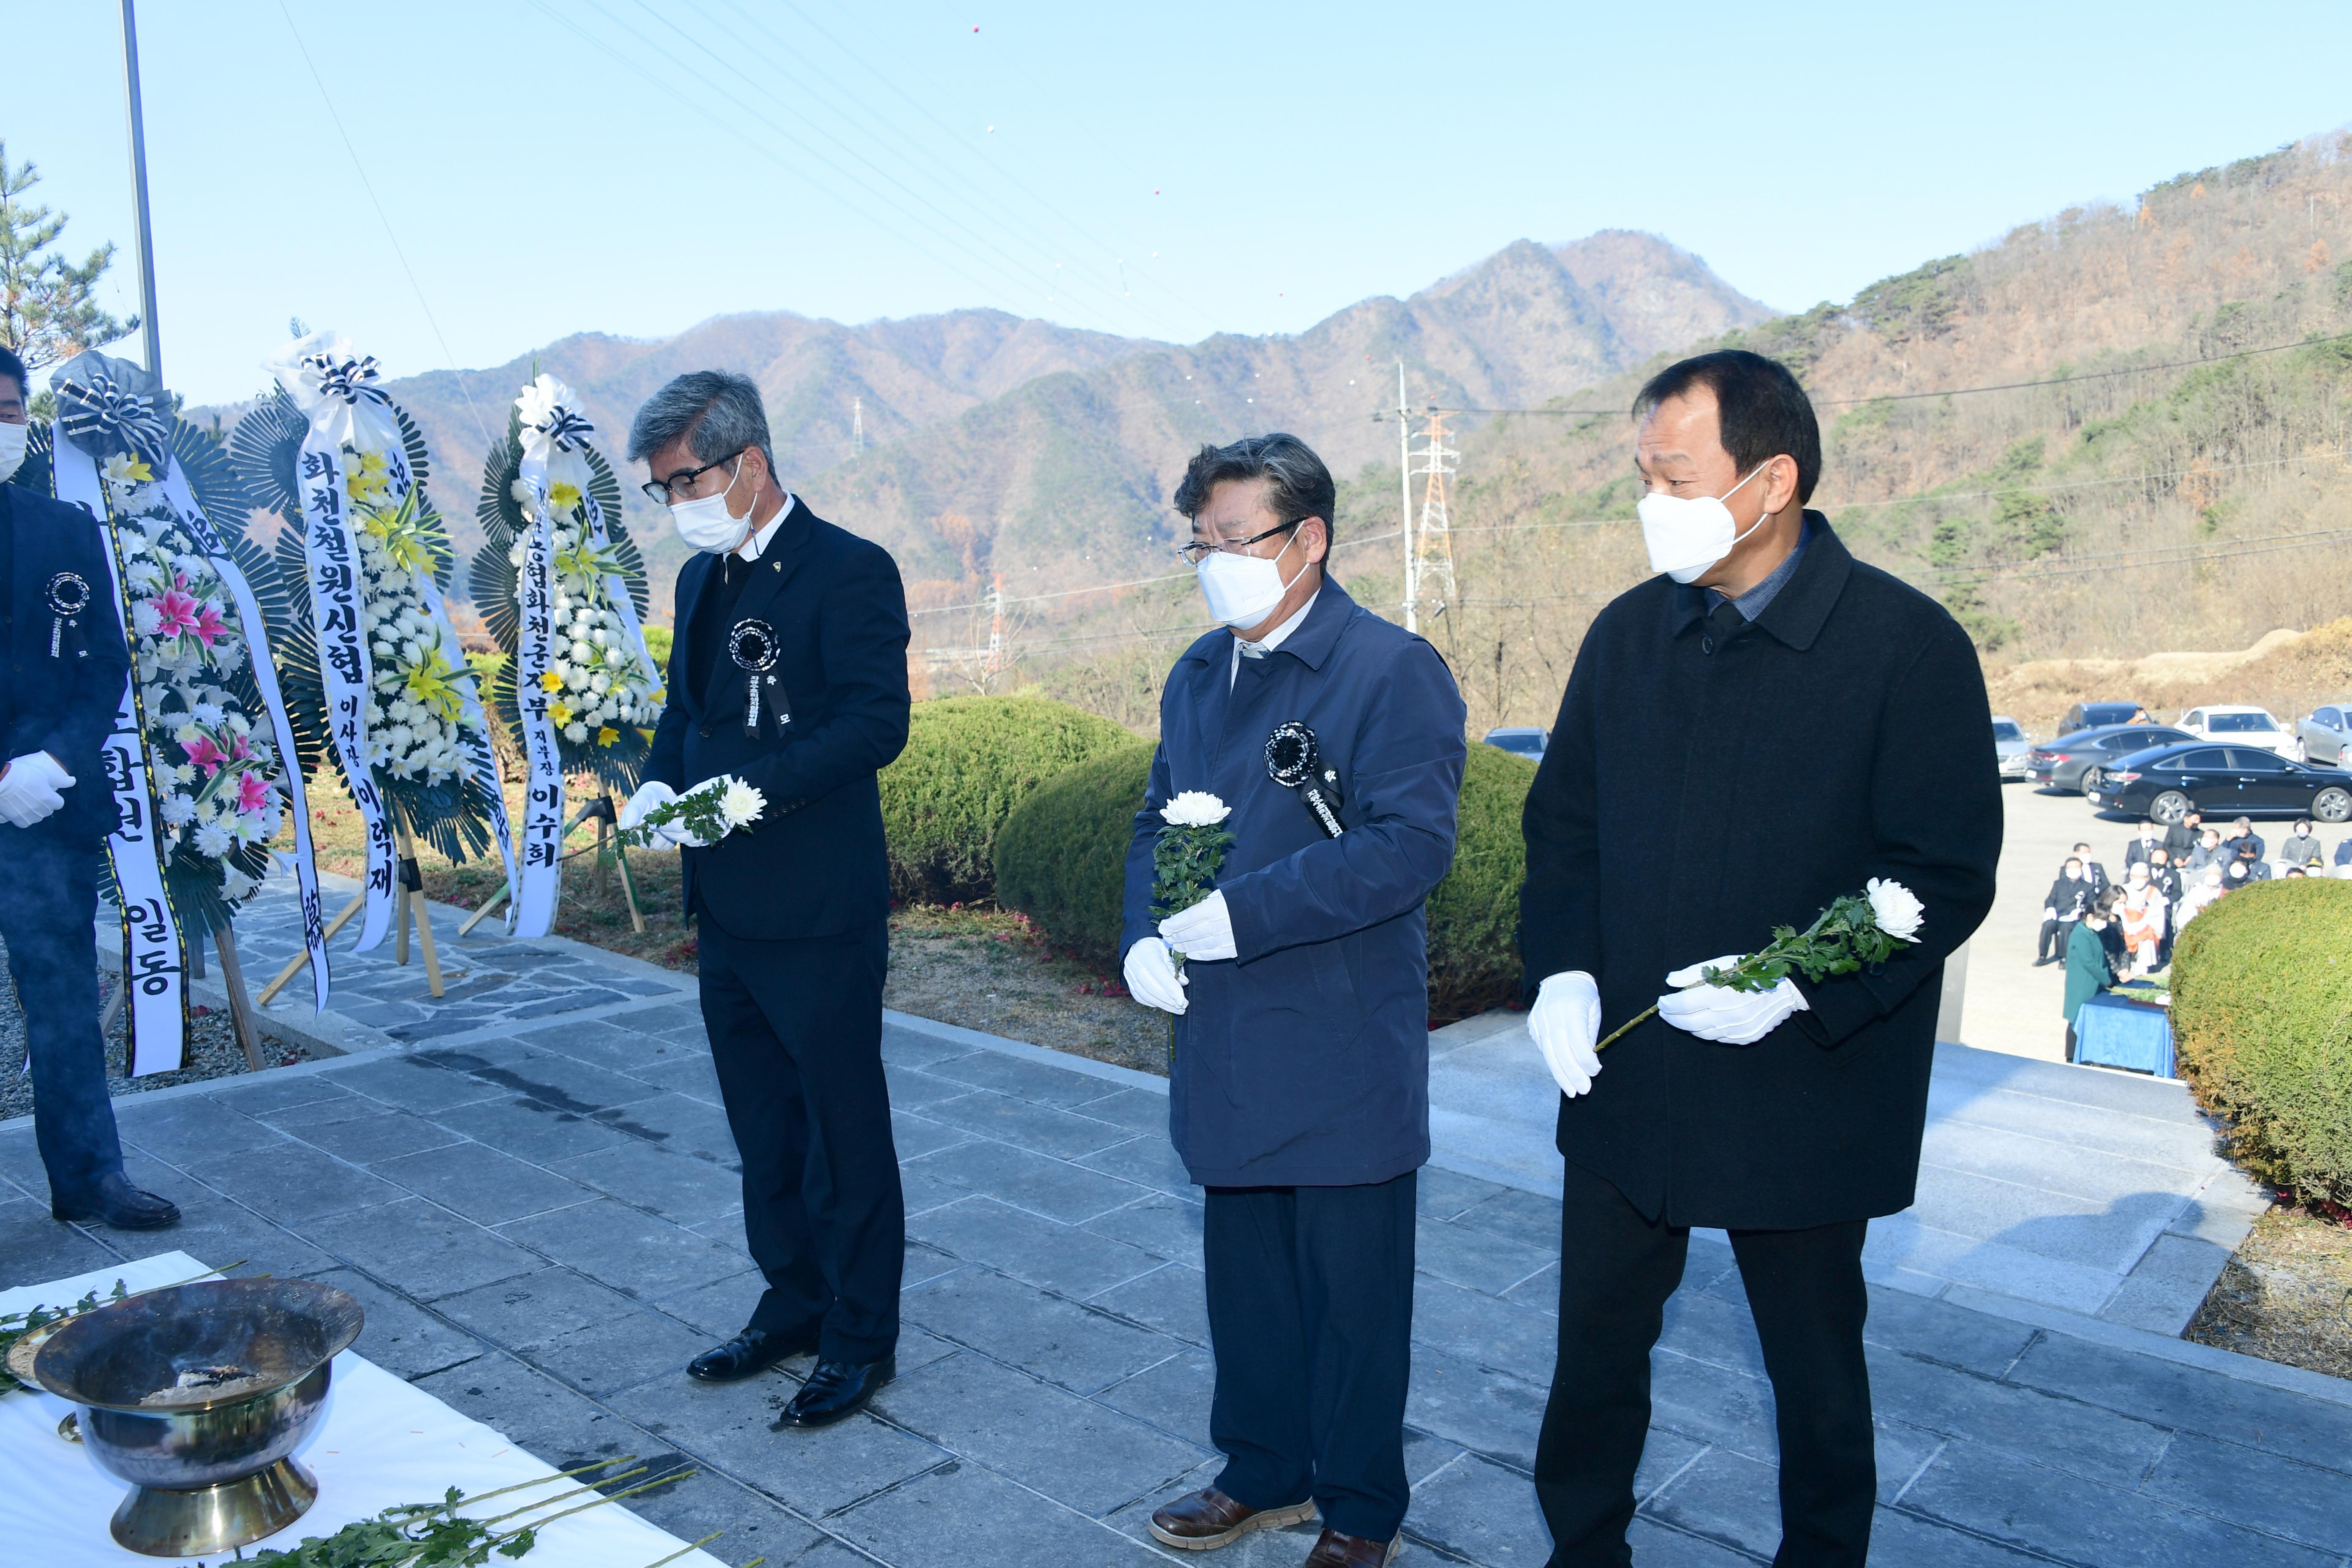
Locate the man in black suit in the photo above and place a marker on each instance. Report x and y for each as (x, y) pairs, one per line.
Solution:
(789, 672)
(66, 674)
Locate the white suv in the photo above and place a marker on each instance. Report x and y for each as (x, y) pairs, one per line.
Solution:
(2239, 725)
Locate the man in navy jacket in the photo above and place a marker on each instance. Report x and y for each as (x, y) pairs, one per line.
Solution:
(56, 707)
(789, 671)
(1299, 1092)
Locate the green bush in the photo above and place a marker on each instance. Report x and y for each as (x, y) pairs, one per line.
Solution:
(968, 762)
(1062, 857)
(2262, 1019)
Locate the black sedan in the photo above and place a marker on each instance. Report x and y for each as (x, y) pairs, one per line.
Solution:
(2065, 764)
(2221, 782)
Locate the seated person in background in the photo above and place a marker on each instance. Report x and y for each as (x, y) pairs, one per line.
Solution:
(2207, 891)
(2296, 871)
(2095, 870)
(2136, 851)
(2243, 832)
(2249, 856)
(2070, 897)
(2344, 852)
(2165, 874)
(2207, 851)
(2301, 846)
(2182, 835)
(2088, 970)
(2144, 912)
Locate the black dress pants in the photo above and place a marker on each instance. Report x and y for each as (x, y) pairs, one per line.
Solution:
(1310, 1315)
(2051, 948)
(796, 1035)
(1805, 1288)
(48, 920)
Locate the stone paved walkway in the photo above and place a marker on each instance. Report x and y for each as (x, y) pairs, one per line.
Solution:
(544, 1227)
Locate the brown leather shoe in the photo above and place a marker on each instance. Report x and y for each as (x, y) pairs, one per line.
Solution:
(1208, 1519)
(1336, 1551)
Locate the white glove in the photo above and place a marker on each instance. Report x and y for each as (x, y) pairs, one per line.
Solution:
(1204, 931)
(1151, 976)
(1564, 1022)
(1726, 1017)
(651, 794)
(29, 788)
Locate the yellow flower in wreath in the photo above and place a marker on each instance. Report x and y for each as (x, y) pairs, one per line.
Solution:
(559, 712)
(607, 735)
(369, 478)
(550, 681)
(564, 494)
(428, 683)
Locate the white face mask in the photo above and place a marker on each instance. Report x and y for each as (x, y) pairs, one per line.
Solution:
(11, 449)
(707, 524)
(1243, 590)
(1687, 534)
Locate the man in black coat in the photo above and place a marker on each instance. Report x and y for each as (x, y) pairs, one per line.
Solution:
(66, 675)
(789, 672)
(1789, 724)
(2066, 902)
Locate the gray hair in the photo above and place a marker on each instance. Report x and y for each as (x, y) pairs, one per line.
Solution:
(1298, 485)
(717, 413)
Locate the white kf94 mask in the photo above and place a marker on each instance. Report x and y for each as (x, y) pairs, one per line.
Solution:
(13, 439)
(1243, 590)
(1687, 534)
(707, 524)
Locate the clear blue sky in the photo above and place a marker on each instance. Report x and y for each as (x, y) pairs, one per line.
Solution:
(1164, 170)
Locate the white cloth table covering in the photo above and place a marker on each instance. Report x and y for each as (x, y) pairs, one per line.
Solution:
(379, 1444)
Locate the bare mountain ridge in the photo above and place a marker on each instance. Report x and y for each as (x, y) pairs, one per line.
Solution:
(993, 440)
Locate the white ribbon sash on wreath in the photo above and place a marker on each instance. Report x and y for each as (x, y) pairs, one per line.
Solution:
(540, 880)
(155, 961)
(332, 563)
(482, 761)
(181, 498)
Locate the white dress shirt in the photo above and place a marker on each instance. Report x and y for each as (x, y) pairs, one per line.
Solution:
(1268, 642)
(749, 548)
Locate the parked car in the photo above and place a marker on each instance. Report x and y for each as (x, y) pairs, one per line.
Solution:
(2219, 781)
(2063, 765)
(2321, 734)
(2099, 715)
(1528, 743)
(2240, 726)
(2009, 745)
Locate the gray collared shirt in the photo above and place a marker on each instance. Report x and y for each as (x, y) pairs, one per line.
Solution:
(1751, 604)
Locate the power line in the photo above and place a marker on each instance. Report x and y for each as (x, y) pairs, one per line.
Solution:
(369, 186)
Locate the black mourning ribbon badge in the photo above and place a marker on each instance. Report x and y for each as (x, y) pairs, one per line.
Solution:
(752, 645)
(68, 597)
(1294, 761)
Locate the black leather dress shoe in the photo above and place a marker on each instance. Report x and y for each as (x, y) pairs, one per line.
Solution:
(118, 1205)
(753, 1350)
(837, 1390)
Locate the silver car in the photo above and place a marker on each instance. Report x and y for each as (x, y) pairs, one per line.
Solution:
(1528, 743)
(2323, 735)
(2009, 745)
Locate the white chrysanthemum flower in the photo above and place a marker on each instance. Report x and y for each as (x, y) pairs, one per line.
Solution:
(1195, 808)
(145, 619)
(208, 713)
(179, 809)
(214, 840)
(740, 805)
(1896, 909)
(575, 731)
(520, 491)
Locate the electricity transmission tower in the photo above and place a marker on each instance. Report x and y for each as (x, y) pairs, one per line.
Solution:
(1429, 565)
(857, 425)
(995, 626)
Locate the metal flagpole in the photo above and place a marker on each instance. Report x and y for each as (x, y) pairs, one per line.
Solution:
(1404, 496)
(153, 336)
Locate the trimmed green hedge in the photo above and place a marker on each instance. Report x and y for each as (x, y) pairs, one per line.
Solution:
(2262, 1019)
(968, 762)
(1061, 860)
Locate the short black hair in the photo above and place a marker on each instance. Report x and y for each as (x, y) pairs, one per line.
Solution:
(1300, 487)
(10, 365)
(1764, 412)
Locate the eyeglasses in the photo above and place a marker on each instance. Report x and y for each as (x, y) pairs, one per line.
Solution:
(1200, 549)
(660, 490)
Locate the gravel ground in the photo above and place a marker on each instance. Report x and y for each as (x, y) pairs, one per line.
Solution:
(2287, 1296)
(213, 1050)
(987, 970)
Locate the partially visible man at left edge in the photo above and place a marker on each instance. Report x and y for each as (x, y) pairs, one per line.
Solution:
(56, 709)
(789, 671)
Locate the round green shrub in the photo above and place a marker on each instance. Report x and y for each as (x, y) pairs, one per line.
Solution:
(968, 762)
(1474, 915)
(2262, 1020)
(1061, 859)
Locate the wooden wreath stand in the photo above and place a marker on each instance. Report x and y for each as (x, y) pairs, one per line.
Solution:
(408, 908)
(599, 811)
(240, 1004)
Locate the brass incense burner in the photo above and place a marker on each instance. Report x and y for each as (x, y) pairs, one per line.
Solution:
(197, 1396)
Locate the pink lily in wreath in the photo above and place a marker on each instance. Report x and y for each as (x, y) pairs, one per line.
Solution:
(205, 753)
(209, 628)
(176, 613)
(252, 791)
